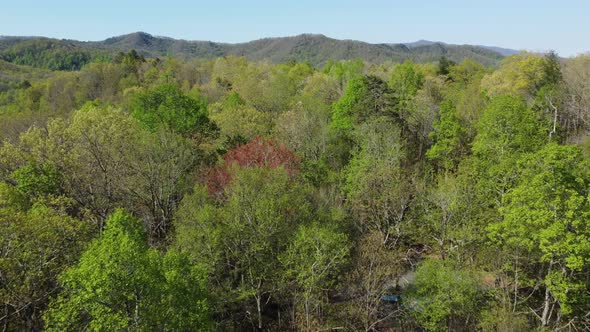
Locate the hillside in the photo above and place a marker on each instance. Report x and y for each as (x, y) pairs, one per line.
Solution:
(317, 49)
(14, 76)
(501, 50)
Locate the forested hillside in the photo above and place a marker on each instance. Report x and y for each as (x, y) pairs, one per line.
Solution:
(142, 193)
(315, 49)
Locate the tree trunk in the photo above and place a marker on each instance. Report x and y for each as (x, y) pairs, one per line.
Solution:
(547, 302)
(258, 307)
(307, 312)
(553, 131)
(515, 285)
(136, 311)
(5, 318)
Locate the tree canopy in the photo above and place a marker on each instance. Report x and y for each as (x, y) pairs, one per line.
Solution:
(143, 193)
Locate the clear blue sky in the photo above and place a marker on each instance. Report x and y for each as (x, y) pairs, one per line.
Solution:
(562, 25)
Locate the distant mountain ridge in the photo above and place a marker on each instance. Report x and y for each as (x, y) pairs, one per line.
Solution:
(503, 51)
(315, 48)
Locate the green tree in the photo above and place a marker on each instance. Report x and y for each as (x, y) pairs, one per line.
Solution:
(378, 189)
(449, 138)
(465, 93)
(92, 150)
(507, 130)
(344, 71)
(37, 180)
(103, 159)
(167, 106)
(236, 120)
(546, 217)
(550, 96)
(405, 82)
(375, 270)
(122, 284)
(451, 219)
(467, 71)
(519, 75)
(365, 96)
(444, 297)
(11, 198)
(575, 118)
(444, 65)
(313, 261)
(37, 244)
(242, 239)
(305, 127)
(160, 168)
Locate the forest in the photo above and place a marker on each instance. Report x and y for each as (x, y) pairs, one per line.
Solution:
(144, 193)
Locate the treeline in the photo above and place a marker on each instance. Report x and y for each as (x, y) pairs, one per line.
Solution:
(47, 53)
(150, 194)
(317, 49)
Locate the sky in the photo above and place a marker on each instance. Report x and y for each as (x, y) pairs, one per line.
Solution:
(541, 25)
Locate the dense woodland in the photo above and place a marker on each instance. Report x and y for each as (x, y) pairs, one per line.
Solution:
(161, 194)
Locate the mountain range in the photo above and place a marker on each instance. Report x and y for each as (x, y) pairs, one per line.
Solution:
(315, 48)
(503, 51)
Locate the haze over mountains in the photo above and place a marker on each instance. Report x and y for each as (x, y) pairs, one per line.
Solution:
(315, 48)
(503, 51)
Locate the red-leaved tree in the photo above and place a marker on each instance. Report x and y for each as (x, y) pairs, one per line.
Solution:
(259, 152)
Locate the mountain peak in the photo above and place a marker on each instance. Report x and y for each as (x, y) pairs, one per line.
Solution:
(136, 39)
(421, 42)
